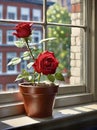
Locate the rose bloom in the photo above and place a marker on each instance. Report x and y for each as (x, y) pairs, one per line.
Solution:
(46, 63)
(23, 30)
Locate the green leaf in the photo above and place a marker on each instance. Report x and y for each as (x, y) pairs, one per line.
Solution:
(26, 55)
(19, 44)
(19, 77)
(59, 76)
(47, 39)
(26, 58)
(30, 65)
(10, 63)
(51, 78)
(14, 61)
(25, 73)
(30, 78)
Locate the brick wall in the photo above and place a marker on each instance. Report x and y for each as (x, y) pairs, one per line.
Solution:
(76, 42)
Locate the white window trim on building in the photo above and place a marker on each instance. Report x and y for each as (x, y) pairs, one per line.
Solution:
(9, 33)
(0, 36)
(0, 62)
(1, 10)
(11, 87)
(13, 10)
(25, 12)
(1, 87)
(36, 34)
(23, 63)
(36, 14)
(10, 55)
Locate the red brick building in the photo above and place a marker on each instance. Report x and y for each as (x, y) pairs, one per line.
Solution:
(17, 10)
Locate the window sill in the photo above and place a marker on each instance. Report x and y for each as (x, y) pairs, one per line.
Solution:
(75, 117)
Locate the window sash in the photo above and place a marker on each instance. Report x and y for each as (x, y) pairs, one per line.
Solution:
(11, 87)
(48, 23)
(12, 12)
(10, 37)
(36, 15)
(25, 13)
(67, 95)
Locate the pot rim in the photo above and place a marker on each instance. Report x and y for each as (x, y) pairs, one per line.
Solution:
(38, 85)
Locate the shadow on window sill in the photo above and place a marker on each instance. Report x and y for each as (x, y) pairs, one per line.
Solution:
(81, 117)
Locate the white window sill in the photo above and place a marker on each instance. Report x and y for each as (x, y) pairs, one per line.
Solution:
(67, 117)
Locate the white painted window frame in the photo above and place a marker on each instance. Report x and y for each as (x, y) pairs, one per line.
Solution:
(36, 33)
(9, 33)
(12, 9)
(1, 10)
(1, 87)
(10, 85)
(23, 62)
(0, 36)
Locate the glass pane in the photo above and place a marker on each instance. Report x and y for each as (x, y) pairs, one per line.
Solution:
(66, 12)
(67, 47)
(61, 48)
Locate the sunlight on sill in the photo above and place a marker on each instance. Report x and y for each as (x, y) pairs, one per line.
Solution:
(59, 113)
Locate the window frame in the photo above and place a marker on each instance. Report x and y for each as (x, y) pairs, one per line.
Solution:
(27, 13)
(1, 10)
(1, 88)
(23, 62)
(0, 36)
(38, 35)
(11, 89)
(11, 55)
(77, 94)
(9, 33)
(13, 11)
(39, 16)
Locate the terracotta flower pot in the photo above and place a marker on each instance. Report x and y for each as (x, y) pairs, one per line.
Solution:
(38, 99)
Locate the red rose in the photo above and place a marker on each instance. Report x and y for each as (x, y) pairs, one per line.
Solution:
(23, 30)
(46, 63)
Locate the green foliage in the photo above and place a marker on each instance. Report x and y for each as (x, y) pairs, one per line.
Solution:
(26, 55)
(24, 75)
(51, 78)
(20, 43)
(61, 46)
(30, 65)
(27, 76)
(59, 76)
(14, 61)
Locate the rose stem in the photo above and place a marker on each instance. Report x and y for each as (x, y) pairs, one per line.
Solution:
(29, 49)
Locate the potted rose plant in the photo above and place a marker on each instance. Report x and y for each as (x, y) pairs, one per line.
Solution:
(38, 96)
